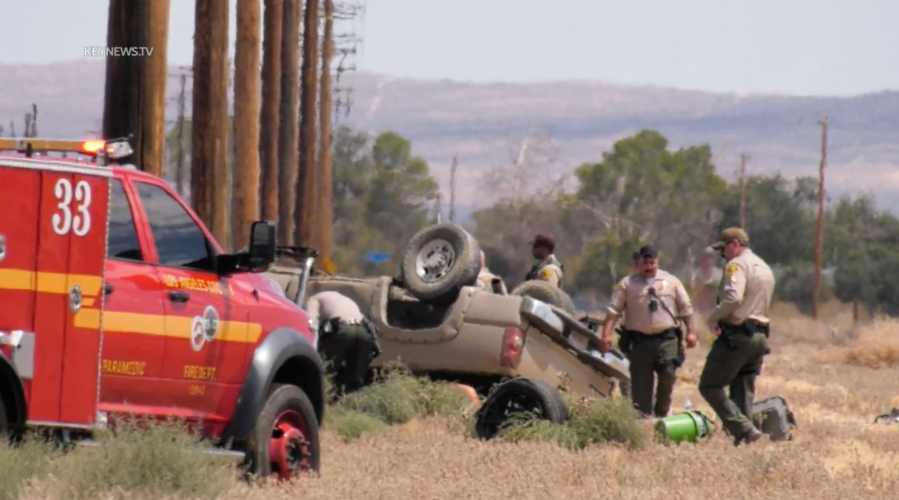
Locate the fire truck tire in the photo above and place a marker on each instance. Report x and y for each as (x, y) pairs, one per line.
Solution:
(286, 417)
(4, 419)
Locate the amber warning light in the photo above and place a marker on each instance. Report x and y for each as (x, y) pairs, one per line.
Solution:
(117, 148)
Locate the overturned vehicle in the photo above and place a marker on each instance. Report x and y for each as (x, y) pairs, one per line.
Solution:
(516, 350)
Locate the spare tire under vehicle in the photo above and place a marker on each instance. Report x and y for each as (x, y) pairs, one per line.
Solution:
(545, 292)
(516, 396)
(439, 261)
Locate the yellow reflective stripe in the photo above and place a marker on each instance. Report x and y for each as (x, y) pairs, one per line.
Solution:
(116, 321)
(158, 324)
(44, 282)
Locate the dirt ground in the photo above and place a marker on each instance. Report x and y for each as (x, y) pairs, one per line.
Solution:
(835, 380)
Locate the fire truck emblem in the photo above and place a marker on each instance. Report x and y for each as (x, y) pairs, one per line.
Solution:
(204, 328)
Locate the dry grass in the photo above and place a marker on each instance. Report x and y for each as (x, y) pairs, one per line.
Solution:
(836, 380)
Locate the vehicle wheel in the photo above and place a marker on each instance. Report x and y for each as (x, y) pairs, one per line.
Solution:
(517, 396)
(439, 261)
(545, 292)
(285, 440)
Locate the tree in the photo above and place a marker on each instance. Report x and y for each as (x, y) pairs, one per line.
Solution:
(209, 149)
(172, 145)
(269, 116)
(134, 96)
(325, 185)
(607, 260)
(861, 242)
(289, 125)
(306, 200)
(780, 217)
(381, 197)
(641, 191)
(525, 189)
(154, 89)
(245, 198)
(400, 190)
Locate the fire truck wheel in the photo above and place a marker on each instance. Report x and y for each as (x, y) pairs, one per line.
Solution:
(4, 422)
(285, 440)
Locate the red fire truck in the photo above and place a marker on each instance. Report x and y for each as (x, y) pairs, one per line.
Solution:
(118, 301)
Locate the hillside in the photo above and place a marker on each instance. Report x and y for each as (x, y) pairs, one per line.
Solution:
(480, 123)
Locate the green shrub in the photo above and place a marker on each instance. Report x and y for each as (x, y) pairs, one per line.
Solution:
(31, 459)
(398, 397)
(351, 424)
(149, 458)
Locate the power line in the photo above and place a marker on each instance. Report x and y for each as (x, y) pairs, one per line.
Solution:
(819, 230)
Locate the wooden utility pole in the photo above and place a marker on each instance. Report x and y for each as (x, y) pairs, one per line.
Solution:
(452, 207)
(179, 153)
(245, 190)
(743, 159)
(325, 189)
(123, 109)
(288, 128)
(209, 124)
(154, 86)
(305, 200)
(819, 231)
(271, 98)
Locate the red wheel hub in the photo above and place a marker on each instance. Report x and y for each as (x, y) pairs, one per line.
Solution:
(288, 450)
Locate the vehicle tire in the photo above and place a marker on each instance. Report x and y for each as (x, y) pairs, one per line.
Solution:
(285, 440)
(546, 292)
(515, 396)
(439, 261)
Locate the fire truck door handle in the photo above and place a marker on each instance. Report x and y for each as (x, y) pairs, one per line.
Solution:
(178, 296)
(108, 288)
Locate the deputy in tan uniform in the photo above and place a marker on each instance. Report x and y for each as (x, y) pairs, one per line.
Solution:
(489, 281)
(548, 268)
(652, 302)
(347, 339)
(740, 321)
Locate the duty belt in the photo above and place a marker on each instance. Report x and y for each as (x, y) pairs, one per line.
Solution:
(664, 334)
(749, 327)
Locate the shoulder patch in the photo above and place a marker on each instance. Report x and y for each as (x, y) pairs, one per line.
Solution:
(547, 273)
(731, 268)
(621, 285)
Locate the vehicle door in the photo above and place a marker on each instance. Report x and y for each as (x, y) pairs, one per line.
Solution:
(133, 320)
(53, 233)
(205, 314)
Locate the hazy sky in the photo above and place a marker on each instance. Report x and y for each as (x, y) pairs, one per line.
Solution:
(790, 46)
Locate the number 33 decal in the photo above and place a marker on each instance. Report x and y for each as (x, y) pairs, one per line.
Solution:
(64, 222)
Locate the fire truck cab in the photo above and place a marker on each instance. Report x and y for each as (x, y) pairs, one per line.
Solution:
(118, 301)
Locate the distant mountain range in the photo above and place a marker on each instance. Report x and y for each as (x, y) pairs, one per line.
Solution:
(479, 123)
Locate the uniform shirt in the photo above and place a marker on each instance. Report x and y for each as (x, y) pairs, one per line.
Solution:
(326, 305)
(549, 270)
(486, 279)
(631, 299)
(745, 290)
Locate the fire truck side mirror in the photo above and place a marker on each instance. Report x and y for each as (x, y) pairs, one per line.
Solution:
(262, 244)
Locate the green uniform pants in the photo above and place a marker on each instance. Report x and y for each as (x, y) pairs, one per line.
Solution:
(734, 362)
(653, 356)
(349, 349)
